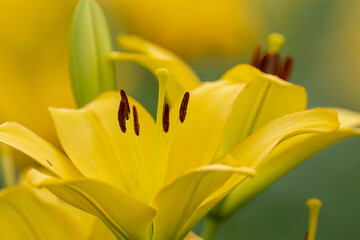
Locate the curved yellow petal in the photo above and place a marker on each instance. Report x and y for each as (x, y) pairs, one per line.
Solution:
(196, 139)
(152, 57)
(253, 150)
(23, 215)
(348, 119)
(43, 152)
(93, 140)
(187, 193)
(287, 156)
(265, 98)
(136, 44)
(215, 198)
(124, 215)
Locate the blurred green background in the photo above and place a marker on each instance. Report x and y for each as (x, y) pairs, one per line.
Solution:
(212, 36)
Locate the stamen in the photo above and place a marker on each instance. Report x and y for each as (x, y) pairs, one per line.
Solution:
(287, 68)
(262, 62)
(255, 55)
(166, 120)
(127, 106)
(183, 107)
(136, 122)
(122, 115)
(314, 206)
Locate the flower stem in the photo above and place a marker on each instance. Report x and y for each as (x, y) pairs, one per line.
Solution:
(210, 228)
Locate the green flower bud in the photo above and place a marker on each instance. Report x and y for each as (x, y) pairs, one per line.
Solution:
(91, 70)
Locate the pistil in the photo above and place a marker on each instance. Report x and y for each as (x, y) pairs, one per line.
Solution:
(158, 168)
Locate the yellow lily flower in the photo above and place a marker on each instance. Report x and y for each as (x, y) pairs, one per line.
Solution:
(192, 28)
(266, 97)
(154, 180)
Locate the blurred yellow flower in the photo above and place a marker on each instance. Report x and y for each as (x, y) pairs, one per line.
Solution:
(33, 68)
(191, 28)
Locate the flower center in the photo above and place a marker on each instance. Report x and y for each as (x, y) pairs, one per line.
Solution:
(159, 160)
(270, 61)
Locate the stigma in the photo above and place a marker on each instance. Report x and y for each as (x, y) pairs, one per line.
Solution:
(314, 206)
(270, 61)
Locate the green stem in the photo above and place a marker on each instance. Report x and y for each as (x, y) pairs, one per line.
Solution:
(210, 228)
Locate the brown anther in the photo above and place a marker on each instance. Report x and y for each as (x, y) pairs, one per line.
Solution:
(183, 107)
(127, 106)
(306, 236)
(136, 122)
(166, 119)
(122, 115)
(255, 57)
(287, 68)
(262, 62)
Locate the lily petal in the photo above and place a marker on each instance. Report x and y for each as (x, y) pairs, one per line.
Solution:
(43, 152)
(187, 193)
(23, 215)
(253, 150)
(208, 111)
(265, 98)
(181, 79)
(136, 44)
(92, 138)
(100, 232)
(124, 215)
(287, 156)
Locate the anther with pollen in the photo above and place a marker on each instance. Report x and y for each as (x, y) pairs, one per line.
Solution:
(136, 122)
(122, 115)
(127, 106)
(166, 119)
(183, 107)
